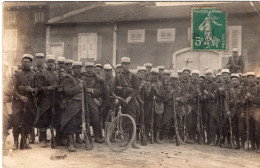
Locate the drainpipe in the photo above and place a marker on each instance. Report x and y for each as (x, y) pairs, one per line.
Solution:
(114, 45)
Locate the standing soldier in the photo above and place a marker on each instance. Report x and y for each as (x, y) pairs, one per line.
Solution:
(173, 94)
(98, 70)
(68, 66)
(23, 102)
(148, 67)
(204, 115)
(153, 105)
(7, 99)
(161, 72)
(209, 95)
(233, 103)
(71, 116)
(224, 120)
(187, 89)
(219, 80)
(96, 94)
(46, 83)
(252, 99)
(126, 86)
(60, 64)
(235, 63)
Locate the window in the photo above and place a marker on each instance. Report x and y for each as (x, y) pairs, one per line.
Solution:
(234, 39)
(136, 36)
(166, 35)
(11, 18)
(57, 49)
(10, 42)
(87, 46)
(38, 17)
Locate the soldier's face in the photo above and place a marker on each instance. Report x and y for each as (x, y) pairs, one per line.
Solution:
(154, 76)
(174, 81)
(141, 74)
(201, 81)
(161, 71)
(235, 82)
(67, 67)
(89, 69)
(167, 77)
(119, 69)
(235, 54)
(98, 70)
(185, 75)
(226, 77)
(148, 69)
(125, 65)
(26, 63)
(61, 65)
(76, 70)
(220, 78)
(251, 80)
(108, 72)
(39, 60)
(50, 64)
(209, 76)
(195, 77)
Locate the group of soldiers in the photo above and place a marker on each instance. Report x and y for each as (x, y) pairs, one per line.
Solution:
(186, 106)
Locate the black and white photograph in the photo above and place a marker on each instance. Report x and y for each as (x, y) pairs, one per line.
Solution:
(130, 84)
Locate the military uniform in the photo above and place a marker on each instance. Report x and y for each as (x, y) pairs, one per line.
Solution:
(235, 63)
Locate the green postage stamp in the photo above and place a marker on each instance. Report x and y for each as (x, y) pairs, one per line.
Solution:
(208, 29)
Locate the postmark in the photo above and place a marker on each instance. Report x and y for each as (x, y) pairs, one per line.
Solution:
(208, 29)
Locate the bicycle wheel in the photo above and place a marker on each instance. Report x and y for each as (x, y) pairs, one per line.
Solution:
(121, 133)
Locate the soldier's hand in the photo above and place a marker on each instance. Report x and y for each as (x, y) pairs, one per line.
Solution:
(53, 87)
(29, 89)
(221, 89)
(242, 115)
(229, 113)
(97, 102)
(128, 99)
(178, 99)
(205, 92)
(24, 99)
(116, 101)
(81, 84)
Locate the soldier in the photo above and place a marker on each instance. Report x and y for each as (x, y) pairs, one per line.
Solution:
(46, 83)
(71, 116)
(235, 63)
(161, 72)
(23, 102)
(224, 120)
(173, 98)
(119, 68)
(219, 80)
(209, 95)
(252, 101)
(148, 67)
(187, 89)
(68, 66)
(126, 86)
(96, 94)
(203, 111)
(98, 70)
(153, 103)
(60, 64)
(7, 99)
(233, 103)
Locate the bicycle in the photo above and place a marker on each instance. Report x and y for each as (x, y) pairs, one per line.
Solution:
(118, 134)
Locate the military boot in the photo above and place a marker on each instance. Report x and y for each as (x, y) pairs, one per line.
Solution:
(15, 146)
(252, 144)
(97, 137)
(134, 144)
(70, 141)
(228, 143)
(237, 143)
(63, 140)
(32, 136)
(212, 141)
(40, 136)
(44, 139)
(78, 139)
(157, 138)
(147, 136)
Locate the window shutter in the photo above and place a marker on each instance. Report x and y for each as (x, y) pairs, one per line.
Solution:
(234, 39)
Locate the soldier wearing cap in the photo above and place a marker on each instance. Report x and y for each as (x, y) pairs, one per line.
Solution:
(209, 95)
(148, 67)
(46, 83)
(68, 66)
(60, 63)
(71, 115)
(98, 69)
(219, 79)
(161, 72)
(23, 102)
(40, 60)
(235, 63)
(173, 98)
(153, 101)
(252, 102)
(126, 86)
(97, 93)
(119, 68)
(233, 104)
(224, 120)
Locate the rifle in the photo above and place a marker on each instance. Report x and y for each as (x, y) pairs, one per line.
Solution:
(53, 142)
(152, 120)
(199, 126)
(220, 123)
(178, 138)
(185, 123)
(142, 133)
(24, 137)
(86, 130)
(231, 133)
(247, 125)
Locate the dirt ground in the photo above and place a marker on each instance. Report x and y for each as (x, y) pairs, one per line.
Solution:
(154, 155)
